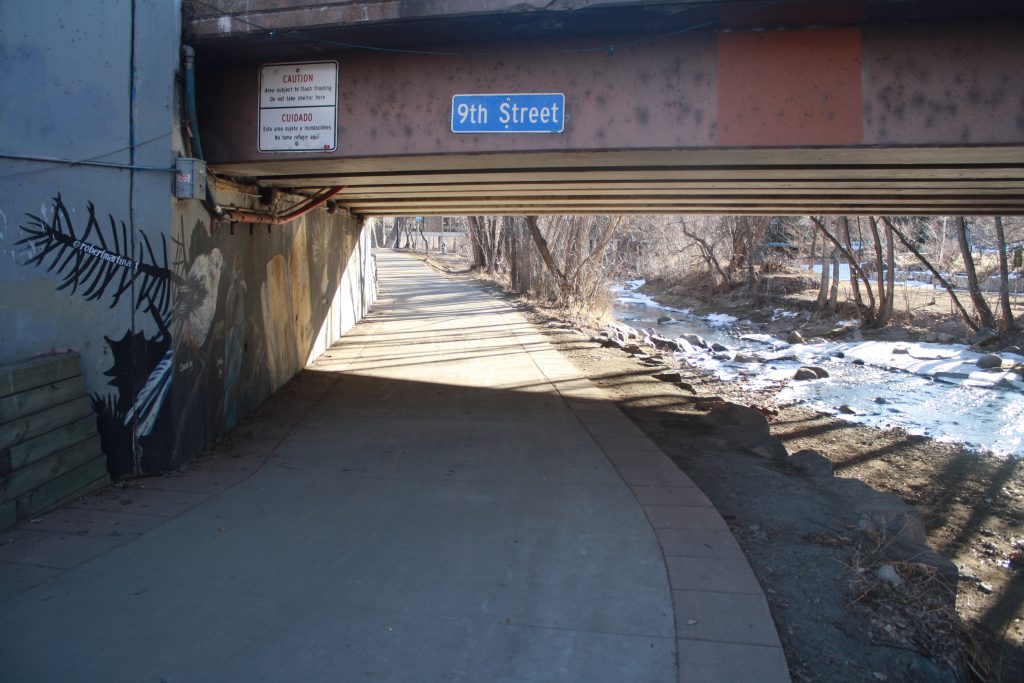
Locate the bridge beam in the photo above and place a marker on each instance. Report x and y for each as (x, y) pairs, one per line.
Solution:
(896, 105)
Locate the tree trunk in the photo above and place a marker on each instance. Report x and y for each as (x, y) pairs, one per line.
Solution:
(977, 298)
(823, 286)
(879, 269)
(474, 229)
(545, 254)
(833, 294)
(890, 274)
(394, 235)
(934, 271)
(867, 312)
(1006, 313)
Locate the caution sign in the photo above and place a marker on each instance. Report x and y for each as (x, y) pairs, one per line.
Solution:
(299, 107)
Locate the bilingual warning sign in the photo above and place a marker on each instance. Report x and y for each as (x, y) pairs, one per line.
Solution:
(299, 107)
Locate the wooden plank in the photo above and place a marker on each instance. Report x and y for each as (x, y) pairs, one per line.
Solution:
(34, 400)
(724, 210)
(307, 180)
(585, 183)
(46, 444)
(39, 472)
(37, 372)
(788, 193)
(26, 428)
(824, 200)
(70, 485)
(764, 157)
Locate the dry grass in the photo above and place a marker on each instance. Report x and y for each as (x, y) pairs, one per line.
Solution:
(914, 612)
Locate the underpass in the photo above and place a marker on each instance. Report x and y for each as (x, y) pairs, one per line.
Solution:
(670, 107)
(440, 496)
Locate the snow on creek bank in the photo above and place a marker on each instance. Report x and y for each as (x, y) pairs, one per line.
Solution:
(936, 390)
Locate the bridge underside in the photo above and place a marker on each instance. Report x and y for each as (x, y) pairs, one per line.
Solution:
(918, 181)
(865, 113)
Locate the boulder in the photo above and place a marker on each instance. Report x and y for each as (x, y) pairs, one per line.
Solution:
(695, 339)
(664, 343)
(665, 319)
(809, 372)
(847, 410)
(794, 337)
(685, 347)
(746, 358)
(897, 526)
(990, 361)
(983, 337)
(842, 330)
(742, 423)
(858, 361)
(769, 449)
(669, 376)
(632, 349)
(722, 356)
(811, 463)
(720, 348)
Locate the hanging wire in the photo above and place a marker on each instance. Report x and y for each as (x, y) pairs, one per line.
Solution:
(88, 161)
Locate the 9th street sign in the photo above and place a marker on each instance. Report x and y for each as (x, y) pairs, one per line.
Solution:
(512, 113)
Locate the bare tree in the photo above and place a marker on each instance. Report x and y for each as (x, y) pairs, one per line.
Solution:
(934, 271)
(977, 298)
(1006, 318)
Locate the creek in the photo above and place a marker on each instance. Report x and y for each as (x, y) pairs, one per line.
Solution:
(935, 390)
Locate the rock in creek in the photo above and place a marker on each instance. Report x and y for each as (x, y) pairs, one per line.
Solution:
(720, 348)
(795, 337)
(990, 361)
(809, 372)
(695, 339)
(664, 343)
(665, 319)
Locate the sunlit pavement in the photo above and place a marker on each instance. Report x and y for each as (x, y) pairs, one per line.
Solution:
(439, 497)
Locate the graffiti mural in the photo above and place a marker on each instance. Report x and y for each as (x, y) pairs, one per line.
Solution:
(217, 325)
(105, 261)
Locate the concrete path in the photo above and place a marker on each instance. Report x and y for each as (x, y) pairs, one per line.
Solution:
(440, 497)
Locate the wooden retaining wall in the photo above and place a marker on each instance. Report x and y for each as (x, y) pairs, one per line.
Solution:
(49, 446)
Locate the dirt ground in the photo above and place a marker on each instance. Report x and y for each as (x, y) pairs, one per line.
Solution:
(837, 622)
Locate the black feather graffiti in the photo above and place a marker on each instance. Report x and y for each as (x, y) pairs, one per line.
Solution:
(98, 263)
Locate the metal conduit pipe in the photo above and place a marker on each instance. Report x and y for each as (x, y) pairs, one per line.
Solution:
(265, 217)
(188, 55)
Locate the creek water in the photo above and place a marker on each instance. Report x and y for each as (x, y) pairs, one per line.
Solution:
(934, 390)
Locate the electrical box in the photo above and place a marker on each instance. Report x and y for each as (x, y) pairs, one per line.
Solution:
(189, 178)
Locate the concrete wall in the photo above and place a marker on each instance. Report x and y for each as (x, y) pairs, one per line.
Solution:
(181, 332)
(252, 309)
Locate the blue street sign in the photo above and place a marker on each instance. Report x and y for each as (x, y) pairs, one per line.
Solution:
(521, 113)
